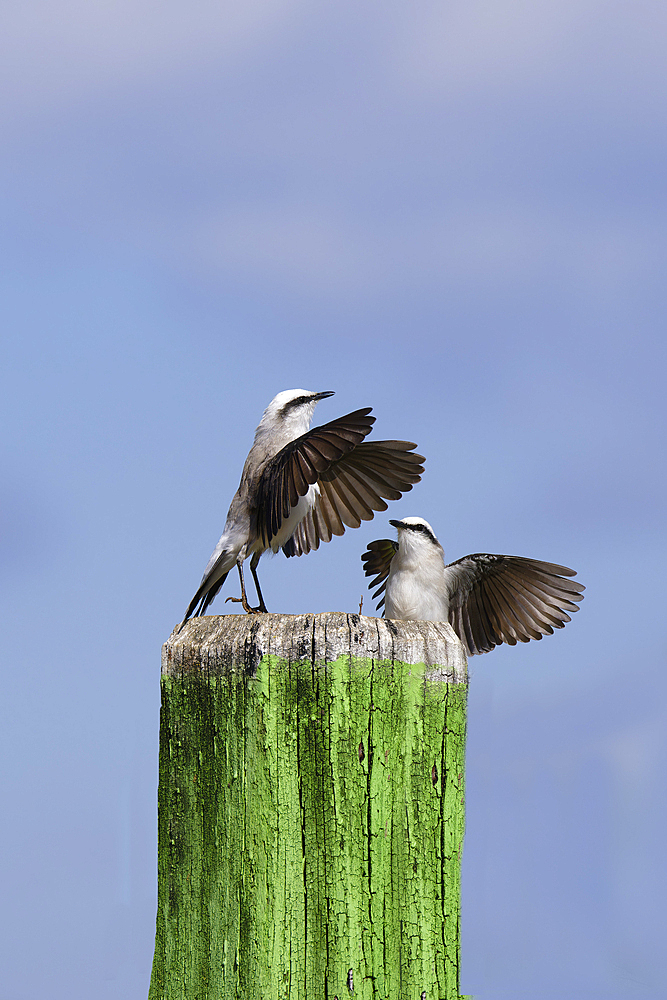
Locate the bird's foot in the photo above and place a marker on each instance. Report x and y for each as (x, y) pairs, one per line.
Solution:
(246, 607)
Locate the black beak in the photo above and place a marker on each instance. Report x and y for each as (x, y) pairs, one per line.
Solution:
(321, 395)
(397, 524)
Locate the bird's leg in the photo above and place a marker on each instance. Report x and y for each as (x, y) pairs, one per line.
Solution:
(243, 600)
(253, 569)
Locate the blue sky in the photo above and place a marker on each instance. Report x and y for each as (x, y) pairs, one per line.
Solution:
(454, 214)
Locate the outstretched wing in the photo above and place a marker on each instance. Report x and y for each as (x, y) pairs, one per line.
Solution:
(290, 474)
(494, 599)
(377, 562)
(353, 488)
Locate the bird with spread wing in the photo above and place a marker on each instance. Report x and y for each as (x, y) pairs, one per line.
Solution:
(301, 486)
(487, 599)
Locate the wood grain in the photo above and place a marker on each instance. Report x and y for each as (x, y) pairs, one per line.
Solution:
(310, 809)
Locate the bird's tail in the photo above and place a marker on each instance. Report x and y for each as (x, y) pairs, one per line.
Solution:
(221, 562)
(205, 594)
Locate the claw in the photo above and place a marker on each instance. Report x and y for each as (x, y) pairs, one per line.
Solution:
(246, 606)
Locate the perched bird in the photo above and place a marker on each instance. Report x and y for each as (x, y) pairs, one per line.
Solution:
(487, 599)
(299, 487)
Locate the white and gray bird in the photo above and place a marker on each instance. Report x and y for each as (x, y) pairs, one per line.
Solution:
(487, 599)
(299, 487)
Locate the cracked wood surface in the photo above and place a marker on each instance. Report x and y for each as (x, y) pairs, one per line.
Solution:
(310, 809)
(217, 644)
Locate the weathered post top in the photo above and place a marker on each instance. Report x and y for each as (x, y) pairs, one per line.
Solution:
(219, 644)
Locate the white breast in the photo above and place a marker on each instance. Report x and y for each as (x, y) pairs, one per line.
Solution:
(416, 588)
(297, 514)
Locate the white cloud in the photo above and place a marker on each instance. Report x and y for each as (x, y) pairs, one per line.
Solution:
(531, 42)
(54, 52)
(304, 248)
(324, 249)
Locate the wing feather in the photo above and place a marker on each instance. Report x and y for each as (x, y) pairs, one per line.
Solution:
(355, 486)
(496, 598)
(289, 474)
(377, 563)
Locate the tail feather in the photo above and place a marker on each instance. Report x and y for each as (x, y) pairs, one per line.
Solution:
(216, 573)
(203, 598)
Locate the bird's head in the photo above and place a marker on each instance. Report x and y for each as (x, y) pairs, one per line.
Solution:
(415, 535)
(290, 412)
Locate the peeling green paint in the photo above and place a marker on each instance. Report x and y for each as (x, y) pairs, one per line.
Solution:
(310, 831)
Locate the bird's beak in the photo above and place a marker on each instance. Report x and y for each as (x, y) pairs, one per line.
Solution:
(397, 524)
(321, 395)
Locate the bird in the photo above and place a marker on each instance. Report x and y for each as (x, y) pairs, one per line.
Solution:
(487, 599)
(300, 486)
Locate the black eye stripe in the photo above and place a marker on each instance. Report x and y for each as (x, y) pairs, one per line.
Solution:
(296, 402)
(420, 527)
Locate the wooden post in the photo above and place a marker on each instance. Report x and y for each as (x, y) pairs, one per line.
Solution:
(310, 810)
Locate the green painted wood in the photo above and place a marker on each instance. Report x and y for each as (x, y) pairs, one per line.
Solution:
(310, 810)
